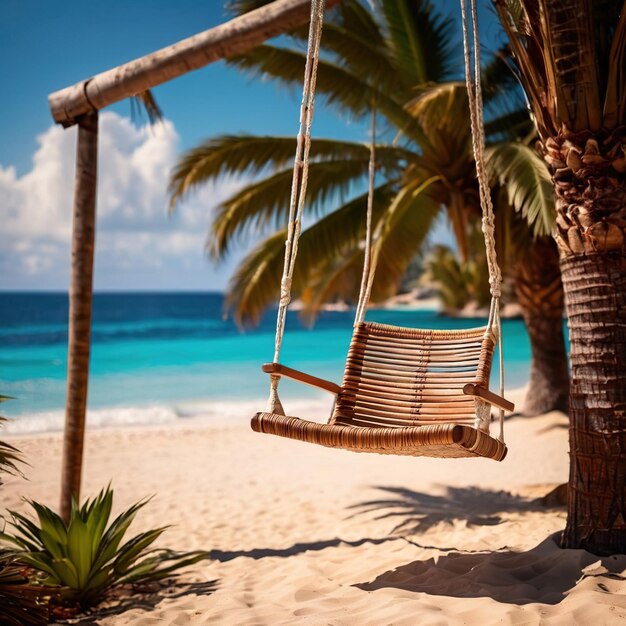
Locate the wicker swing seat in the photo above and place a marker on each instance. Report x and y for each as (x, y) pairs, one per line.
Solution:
(405, 391)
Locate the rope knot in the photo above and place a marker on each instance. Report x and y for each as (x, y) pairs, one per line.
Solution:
(285, 291)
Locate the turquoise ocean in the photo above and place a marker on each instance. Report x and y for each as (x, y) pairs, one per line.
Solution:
(162, 357)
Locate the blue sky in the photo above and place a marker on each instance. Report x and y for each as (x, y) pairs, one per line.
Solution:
(47, 45)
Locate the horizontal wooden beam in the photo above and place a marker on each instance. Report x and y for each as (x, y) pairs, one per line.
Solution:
(307, 379)
(227, 40)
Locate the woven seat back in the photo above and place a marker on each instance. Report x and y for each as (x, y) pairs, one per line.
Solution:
(398, 376)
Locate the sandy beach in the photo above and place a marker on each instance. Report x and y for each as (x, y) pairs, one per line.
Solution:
(300, 534)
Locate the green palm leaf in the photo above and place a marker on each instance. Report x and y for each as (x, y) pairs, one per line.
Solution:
(256, 283)
(333, 279)
(402, 229)
(251, 154)
(340, 87)
(527, 182)
(267, 201)
(442, 111)
(420, 41)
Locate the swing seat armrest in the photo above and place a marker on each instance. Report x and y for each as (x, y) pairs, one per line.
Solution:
(472, 389)
(282, 370)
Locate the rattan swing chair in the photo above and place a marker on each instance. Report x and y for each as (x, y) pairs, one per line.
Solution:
(405, 391)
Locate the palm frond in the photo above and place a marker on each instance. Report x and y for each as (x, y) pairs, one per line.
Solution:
(145, 102)
(525, 177)
(267, 201)
(443, 112)
(256, 283)
(251, 154)
(512, 125)
(10, 456)
(615, 100)
(401, 231)
(339, 86)
(561, 55)
(333, 279)
(353, 37)
(420, 40)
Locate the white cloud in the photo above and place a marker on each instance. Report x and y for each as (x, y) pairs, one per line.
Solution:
(138, 245)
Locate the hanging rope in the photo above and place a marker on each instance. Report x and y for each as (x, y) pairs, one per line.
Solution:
(298, 187)
(474, 94)
(366, 283)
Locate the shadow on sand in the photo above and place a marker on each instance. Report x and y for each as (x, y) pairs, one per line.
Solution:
(416, 512)
(544, 574)
(147, 597)
(296, 548)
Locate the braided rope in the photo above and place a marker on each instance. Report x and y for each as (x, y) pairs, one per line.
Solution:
(366, 283)
(474, 94)
(300, 169)
(298, 186)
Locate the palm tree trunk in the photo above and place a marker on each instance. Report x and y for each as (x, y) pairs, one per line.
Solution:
(79, 332)
(539, 291)
(591, 223)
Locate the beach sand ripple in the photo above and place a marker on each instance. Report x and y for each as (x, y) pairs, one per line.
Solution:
(300, 534)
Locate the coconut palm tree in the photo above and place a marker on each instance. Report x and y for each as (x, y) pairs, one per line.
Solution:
(571, 56)
(427, 165)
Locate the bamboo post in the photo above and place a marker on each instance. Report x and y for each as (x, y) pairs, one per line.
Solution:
(226, 40)
(81, 289)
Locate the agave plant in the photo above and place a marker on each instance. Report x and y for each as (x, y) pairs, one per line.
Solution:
(86, 558)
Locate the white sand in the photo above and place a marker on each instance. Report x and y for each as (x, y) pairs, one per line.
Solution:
(443, 542)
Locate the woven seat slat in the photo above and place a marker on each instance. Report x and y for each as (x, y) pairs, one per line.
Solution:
(407, 394)
(410, 349)
(376, 422)
(426, 394)
(368, 422)
(441, 378)
(409, 360)
(402, 332)
(409, 382)
(439, 440)
(363, 408)
(404, 405)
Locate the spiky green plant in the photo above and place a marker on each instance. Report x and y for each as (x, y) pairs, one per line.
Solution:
(21, 602)
(9, 455)
(86, 558)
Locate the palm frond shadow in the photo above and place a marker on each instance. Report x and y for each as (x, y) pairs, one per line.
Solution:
(417, 512)
(297, 548)
(545, 574)
(147, 597)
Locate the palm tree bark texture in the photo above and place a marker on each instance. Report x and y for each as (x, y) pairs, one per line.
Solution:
(570, 55)
(590, 184)
(539, 291)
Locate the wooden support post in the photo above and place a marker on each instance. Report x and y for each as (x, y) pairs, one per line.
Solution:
(81, 289)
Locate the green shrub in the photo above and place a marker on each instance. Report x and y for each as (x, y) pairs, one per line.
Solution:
(86, 557)
(21, 603)
(9, 456)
